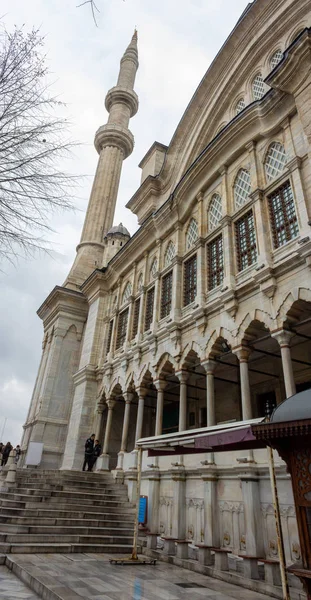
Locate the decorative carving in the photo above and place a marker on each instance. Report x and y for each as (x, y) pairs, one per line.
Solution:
(242, 542)
(296, 553)
(226, 539)
(301, 462)
(273, 547)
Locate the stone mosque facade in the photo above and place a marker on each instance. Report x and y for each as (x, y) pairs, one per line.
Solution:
(203, 316)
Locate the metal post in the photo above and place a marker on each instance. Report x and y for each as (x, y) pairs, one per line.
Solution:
(279, 534)
(135, 538)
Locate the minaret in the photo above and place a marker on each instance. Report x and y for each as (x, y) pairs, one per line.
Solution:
(114, 142)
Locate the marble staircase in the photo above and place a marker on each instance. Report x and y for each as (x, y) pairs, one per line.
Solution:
(64, 512)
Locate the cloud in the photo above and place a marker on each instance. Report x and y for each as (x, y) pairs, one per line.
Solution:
(177, 41)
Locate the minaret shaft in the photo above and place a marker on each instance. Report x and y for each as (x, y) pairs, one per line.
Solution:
(114, 142)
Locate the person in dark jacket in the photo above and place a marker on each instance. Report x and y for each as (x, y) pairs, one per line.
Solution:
(88, 453)
(6, 453)
(96, 452)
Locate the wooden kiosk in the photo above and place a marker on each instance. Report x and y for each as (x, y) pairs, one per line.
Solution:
(289, 432)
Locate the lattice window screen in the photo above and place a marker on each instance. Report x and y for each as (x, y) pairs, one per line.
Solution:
(242, 187)
(192, 234)
(258, 87)
(275, 160)
(215, 211)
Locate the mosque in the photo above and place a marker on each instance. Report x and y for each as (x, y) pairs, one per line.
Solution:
(203, 316)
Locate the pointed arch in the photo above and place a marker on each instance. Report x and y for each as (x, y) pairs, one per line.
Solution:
(127, 291)
(189, 351)
(165, 362)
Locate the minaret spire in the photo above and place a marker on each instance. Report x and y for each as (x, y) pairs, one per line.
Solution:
(114, 142)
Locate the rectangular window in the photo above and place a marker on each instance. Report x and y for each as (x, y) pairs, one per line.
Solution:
(166, 296)
(110, 328)
(149, 309)
(122, 328)
(135, 317)
(283, 215)
(246, 241)
(190, 280)
(215, 258)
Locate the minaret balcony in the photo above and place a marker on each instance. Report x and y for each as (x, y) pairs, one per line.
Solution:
(114, 135)
(122, 95)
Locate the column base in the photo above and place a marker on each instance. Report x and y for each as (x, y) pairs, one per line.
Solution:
(102, 463)
(134, 460)
(120, 461)
(169, 546)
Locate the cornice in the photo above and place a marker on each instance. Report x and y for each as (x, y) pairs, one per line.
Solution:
(63, 300)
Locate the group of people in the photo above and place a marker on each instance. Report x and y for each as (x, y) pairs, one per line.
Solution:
(5, 450)
(92, 450)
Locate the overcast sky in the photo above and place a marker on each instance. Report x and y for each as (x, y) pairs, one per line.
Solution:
(177, 41)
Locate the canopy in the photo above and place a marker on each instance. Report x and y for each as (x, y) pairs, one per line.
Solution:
(232, 436)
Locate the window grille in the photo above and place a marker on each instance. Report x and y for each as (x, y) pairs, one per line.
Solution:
(258, 87)
(190, 280)
(215, 257)
(283, 215)
(192, 234)
(140, 282)
(109, 336)
(242, 187)
(276, 58)
(149, 309)
(122, 328)
(214, 211)
(246, 241)
(127, 292)
(154, 267)
(239, 106)
(166, 296)
(275, 160)
(136, 317)
(169, 254)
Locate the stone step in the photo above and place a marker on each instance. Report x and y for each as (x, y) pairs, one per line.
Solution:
(83, 486)
(20, 496)
(51, 504)
(59, 514)
(20, 538)
(65, 548)
(62, 522)
(12, 528)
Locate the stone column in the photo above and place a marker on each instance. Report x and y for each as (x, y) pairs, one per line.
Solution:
(139, 422)
(242, 352)
(160, 385)
(140, 413)
(179, 505)
(153, 501)
(211, 512)
(283, 338)
(182, 376)
(128, 397)
(98, 419)
(210, 366)
(252, 513)
(102, 463)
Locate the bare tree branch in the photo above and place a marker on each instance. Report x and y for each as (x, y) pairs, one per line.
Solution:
(32, 145)
(93, 8)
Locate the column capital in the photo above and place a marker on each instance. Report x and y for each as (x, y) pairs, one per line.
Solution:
(283, 337)
(160, 384)
(128, 397)
(209, 365)
(242, 352)
(142, 391)
(111, 403)
(182, 375)
(100, 407)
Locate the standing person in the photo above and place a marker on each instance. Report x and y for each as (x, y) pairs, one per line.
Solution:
(6, 453)
(18, 453)
(96, 452)
(88, 452)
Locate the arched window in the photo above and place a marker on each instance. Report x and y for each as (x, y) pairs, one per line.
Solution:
(214, 211)
(140, 282)
(242, 187)
(275, 161)
(154, 267)
(192, 234)
(275, 59)
(169, 254)
(258, 87)
(127, 292)
(239, 106)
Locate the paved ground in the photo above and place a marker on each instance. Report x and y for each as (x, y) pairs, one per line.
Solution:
(91, 577)
(11, 588)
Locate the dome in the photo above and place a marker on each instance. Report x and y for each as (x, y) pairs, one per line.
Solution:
(120, 229)
(295, 408)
